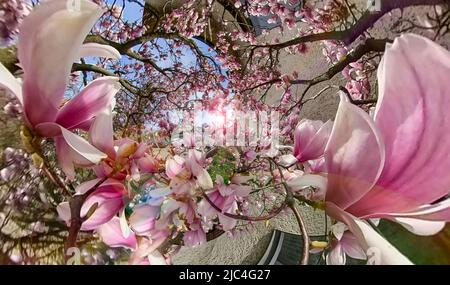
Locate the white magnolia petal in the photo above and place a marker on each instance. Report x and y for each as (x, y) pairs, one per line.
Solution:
(126, 231)
(83, 147)
(338, 230)
(98, 50)
(63, 210)
(420, 227)
(389, 254)
(336, 256)
(10, 83)
(307, 180)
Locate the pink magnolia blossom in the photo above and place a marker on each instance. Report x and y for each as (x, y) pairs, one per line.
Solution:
(125, 159)
(145, 248)
(122, 159)
(108, 199)
(196, 236)
(310, 139)
(225, 197)
(187, 174)
(346, 245)
(395, 165)
(50, 40)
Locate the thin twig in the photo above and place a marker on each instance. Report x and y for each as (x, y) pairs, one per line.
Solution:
(301, 223)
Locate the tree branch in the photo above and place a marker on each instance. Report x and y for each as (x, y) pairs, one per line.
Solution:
(367, 20)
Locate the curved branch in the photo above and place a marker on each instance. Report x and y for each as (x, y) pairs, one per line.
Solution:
(301, 223)
(245, 218)
(89, 67)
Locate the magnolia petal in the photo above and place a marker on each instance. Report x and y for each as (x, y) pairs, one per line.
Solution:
(142, 220)
(86, 186)
(412, 114)
(368, 239)
(336, 256)
(63, 210)
(112, 235)
(109, 202)
(227, 223)
(168, 206)
(354, 155)
(196, 236)
(205, 209)
(99, 50)
(69, 145)
(101, 133)
(135, 173)
(148, 164)
(316, 146)
(145, 248)
(49, 41)
(48, 129)
(196, 156)
(126, 231)
(310, 139)
(436, 212)
(82, 147)
(389, 254)
(420, 227)
(64, 157)
(203, 178)
(94, 99)
(174, 166)
(338, 230)
(316, 166)
(316, 181)
(10, 83)
(351, 246)
(160, 192)
(241, 179)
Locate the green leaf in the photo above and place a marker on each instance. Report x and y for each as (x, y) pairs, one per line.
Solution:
(419, 249)
(223, 164)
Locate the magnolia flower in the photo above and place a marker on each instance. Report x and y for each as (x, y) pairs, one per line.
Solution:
(126, 159)
(117, 234)
(102, 205)
(50, 40)
(310, 140)
(186, 174)
(225, 197)
(395, 166)
(344, 244)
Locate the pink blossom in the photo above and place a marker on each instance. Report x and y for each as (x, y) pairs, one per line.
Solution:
(395, 165)
(107, 200)
(225, 197)
(310, 139)
(50, 40)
